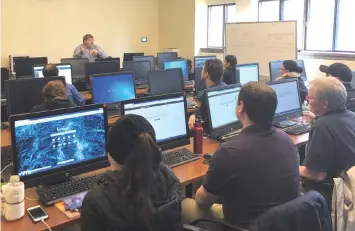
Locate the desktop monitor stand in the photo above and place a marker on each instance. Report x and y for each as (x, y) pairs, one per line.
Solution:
(286, 123)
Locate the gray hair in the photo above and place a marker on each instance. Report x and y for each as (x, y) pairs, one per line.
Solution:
(330, 89)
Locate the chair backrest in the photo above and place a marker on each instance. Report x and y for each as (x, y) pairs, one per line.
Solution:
(308, 212)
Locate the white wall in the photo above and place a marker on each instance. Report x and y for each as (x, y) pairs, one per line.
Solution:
(54, 28)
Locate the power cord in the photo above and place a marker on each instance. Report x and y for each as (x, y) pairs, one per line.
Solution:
(6, 167)
(49, 228)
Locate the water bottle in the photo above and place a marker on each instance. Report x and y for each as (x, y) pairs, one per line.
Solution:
(14, 194)
(198, 136)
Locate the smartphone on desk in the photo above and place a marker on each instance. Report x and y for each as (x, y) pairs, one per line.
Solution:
(37, 213)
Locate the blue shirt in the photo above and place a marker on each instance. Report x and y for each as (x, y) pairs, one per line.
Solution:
(74, 95)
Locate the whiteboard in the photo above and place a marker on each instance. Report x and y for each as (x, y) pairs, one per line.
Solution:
(260, 42)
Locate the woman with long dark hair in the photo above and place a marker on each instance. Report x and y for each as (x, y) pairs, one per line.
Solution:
(140, 193)
(229, 76)
(290, 70)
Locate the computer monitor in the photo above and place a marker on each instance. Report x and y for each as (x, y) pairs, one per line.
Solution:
(180, 63)
(50, 147)
(64, 70)
(168, 116)
(24, 65)
(221, 105)
(108, 59)
(23, 94)
(112, 88)
(165, 81)
(140, 70)
(199, 61)
(275, 68)
(100, 68)
(77, 66)
(248, 72)
(149, 58)
(200, 84)
(129, 56)
(165, 56)
(4, 76)
(288, 100)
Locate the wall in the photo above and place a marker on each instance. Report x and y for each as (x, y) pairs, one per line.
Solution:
(176, 26)
(54, 28)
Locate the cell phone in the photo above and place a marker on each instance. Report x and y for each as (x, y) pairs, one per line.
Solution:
(37, 214)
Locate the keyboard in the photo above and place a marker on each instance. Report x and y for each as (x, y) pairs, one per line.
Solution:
(179, 157)
(298, 129)
(55, 193)
(142, 86)
(113, 113)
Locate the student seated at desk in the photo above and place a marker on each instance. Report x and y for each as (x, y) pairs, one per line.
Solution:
(344, 74)
(140, 193)
(230, 62)
(331, 145)
(212, 73)
(50, 70)
(55, 97)
(290, 70)
(252, 173)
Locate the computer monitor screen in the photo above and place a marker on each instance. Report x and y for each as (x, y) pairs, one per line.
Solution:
(149, 58)
(77, 65)
(56, 141)
(166, 56)
(199, 61)
(4, 76)
(165, 81)
(222, 103)
(23, 94)
(275, 68)
(129, 56)
(64, 70)
(167, 114)
(200, 84)
(139, 68)
(288, 100)
(181, 63)
(24, 65)
(113, 87)
(248, 72)
(100, 68)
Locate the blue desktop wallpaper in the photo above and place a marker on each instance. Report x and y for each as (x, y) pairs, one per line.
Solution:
(111, 89)
(59, 143)
(177, 64)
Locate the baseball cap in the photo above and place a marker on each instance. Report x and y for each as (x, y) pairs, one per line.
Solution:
(338, 70)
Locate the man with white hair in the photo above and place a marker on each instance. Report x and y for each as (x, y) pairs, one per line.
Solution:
(331, 146)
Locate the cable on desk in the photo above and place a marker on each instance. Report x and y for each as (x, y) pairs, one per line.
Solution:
(49, 228)
(6, 167)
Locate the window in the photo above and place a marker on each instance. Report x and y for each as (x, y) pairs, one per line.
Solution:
(218, 15)
(329, 23)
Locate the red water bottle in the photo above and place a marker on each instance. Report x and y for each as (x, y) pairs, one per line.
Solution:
(198, 136)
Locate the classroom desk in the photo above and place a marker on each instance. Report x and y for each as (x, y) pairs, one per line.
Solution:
(187, 174)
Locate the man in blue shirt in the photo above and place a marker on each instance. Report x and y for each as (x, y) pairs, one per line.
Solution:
(51, 70)
(89, 50)
(212, 73)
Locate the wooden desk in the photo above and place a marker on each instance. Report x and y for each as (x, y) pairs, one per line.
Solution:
(187, 173)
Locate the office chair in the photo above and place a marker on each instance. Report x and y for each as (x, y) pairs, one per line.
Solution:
(306, 209)
(351, 105)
